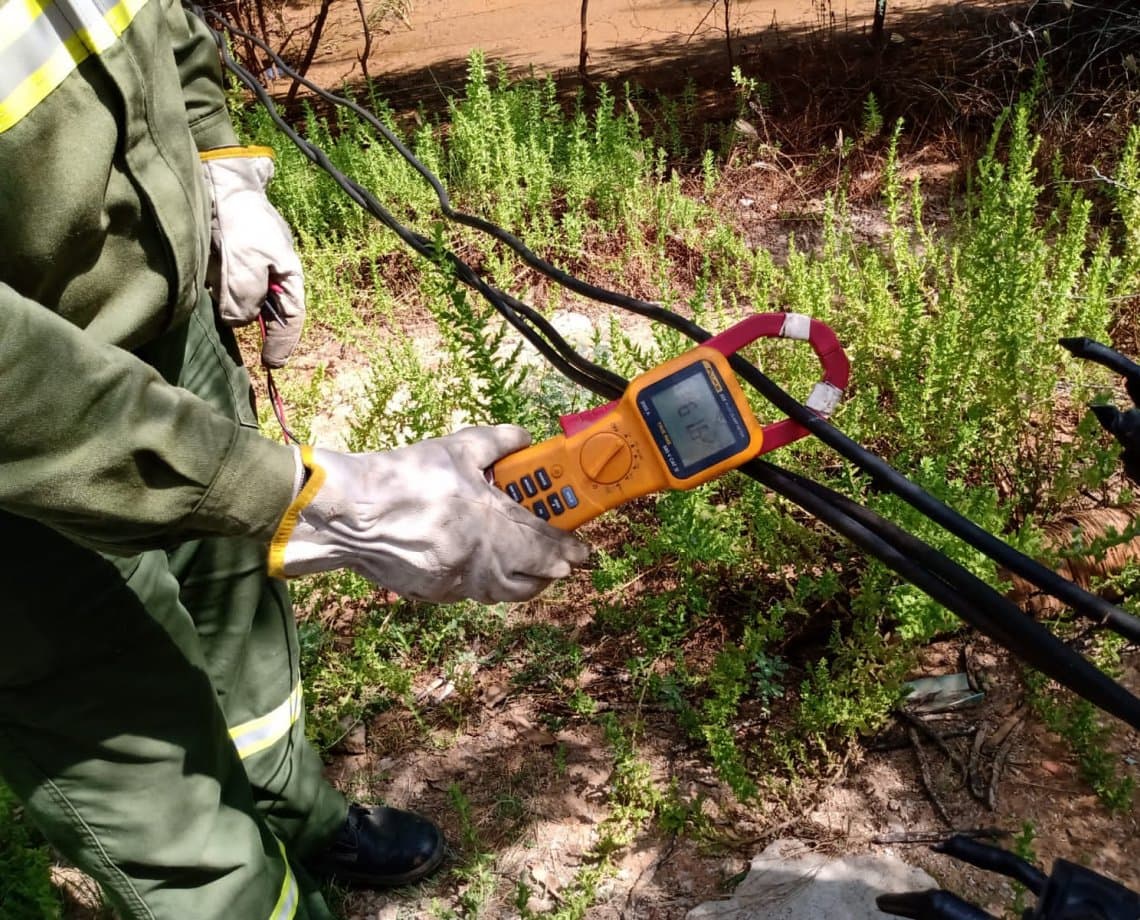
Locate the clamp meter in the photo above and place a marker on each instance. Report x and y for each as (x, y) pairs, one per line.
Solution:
(676, 426)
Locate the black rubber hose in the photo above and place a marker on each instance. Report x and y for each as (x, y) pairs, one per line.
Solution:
(1092, 350)
(934, 904)
(994, 859)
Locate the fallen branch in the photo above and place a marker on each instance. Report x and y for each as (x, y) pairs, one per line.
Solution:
(999, 762)
(927, 783)
(973, 769)
(915, 722)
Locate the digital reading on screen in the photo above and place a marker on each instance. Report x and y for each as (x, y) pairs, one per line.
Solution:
(702, 424)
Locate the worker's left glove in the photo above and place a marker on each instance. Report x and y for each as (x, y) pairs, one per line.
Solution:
(251, 250)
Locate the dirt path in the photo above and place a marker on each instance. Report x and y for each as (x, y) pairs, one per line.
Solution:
(535, 798)
(429, 48)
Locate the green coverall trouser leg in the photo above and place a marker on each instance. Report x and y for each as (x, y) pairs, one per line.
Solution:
(150, 707)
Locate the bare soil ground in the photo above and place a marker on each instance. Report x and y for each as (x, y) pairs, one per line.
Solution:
(537, 796)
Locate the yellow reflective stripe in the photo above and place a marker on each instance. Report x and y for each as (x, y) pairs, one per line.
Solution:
(293, 513)
(286, 906)
(16, 18)
(256, 735)
(228, 153)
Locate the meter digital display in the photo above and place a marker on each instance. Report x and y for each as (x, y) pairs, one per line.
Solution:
(693, 419)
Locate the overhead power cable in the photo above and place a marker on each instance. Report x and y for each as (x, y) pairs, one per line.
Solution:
(928, 569)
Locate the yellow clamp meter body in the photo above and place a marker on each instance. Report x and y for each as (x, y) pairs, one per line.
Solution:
(676, 426)
(681, 424)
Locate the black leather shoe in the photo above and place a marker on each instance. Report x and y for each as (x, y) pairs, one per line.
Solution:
(381, 847)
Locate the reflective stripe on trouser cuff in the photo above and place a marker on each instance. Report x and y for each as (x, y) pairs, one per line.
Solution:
(286, 907)
(256, 735)
(41, 43)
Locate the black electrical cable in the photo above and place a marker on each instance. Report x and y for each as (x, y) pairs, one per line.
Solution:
(885, 476)
(928, 569)
(952, 586)
(882, 473)
(531, 258)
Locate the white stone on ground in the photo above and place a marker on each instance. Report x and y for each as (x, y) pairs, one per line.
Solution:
(788, 881)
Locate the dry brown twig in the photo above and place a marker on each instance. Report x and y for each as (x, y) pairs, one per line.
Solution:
(1000, 759)
(927, 782)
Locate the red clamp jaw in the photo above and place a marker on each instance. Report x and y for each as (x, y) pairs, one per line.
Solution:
(825, 396)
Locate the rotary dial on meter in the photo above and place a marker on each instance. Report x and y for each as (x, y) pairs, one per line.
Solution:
(606, 457)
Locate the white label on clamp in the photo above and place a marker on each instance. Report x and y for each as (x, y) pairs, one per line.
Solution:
(796, 326)
(824, 398)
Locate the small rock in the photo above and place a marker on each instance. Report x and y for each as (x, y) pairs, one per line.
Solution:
(355, 737)
(495, 694)
(733, 866)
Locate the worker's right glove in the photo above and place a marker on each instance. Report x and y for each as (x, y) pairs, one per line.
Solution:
(423, 521)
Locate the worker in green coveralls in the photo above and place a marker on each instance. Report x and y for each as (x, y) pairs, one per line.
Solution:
(150, 700)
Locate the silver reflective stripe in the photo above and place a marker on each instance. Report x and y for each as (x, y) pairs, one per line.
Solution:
(16, 16)
(256, 735)
(286, 907)
(42, 42)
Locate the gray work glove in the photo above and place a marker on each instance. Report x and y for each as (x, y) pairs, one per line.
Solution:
(251, 248)
(423, 521)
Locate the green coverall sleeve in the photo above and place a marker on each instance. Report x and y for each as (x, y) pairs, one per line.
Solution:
(200, 70)
(96, 444)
